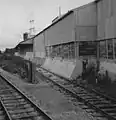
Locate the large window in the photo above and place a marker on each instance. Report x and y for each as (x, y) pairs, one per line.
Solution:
(66, 50)
(88, 48)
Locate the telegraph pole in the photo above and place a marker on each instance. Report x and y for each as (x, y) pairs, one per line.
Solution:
(32, 28)
(32, 64)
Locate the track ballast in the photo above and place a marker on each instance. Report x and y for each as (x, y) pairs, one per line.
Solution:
(14, 105)
(94, 101)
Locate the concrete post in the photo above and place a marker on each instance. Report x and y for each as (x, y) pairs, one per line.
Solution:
(29, 64)
(33, 73)
(113, 49)
(98, 61)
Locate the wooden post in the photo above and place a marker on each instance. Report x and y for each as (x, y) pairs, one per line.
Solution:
(98, 60)
(29, 71)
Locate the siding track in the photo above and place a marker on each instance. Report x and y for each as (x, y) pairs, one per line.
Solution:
(14, 105)
(93, 100)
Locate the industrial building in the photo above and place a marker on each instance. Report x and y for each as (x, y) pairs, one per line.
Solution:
(57, 47)
(78, 24)
(25, 48)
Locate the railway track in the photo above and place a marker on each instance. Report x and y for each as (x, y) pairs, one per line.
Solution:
(93, 100)
(14, 105)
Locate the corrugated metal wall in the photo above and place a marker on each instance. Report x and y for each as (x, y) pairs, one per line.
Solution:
(86, 20)
(39, 45)
(106, 19)
(61, 32)
(83, 19)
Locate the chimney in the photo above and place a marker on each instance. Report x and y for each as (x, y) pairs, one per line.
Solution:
(59, 11)
(25, 36)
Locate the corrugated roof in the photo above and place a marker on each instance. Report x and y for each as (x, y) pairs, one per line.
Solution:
(26, 42)
(30, 41)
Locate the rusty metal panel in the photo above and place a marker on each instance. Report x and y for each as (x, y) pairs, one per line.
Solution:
(60, 32)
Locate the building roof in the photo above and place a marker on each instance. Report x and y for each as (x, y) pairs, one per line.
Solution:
(65, 15)
(56, 21)
(26, 42)
(30, 40)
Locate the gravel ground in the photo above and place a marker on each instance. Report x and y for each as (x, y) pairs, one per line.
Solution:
(54, 102)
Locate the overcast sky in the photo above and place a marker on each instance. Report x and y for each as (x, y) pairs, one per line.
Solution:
(15, 16)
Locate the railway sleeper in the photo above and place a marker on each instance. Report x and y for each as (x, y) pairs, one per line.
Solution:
(18, 107)
(23, 116)
(113, 114)
(6, 90)
(13, 99)
(87, 97)
(15, 104)
(93, 100)
(2, 117)
(1, 112)
(107, 106)
(89, 110)
(12, 95)
(96, 101)
(109, 110)
(5, 95)
(21, 110)
(8, 98)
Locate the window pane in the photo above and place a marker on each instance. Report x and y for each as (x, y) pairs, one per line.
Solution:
(110, 49)
(115, 47)
(66, 51)
(102, 49)
(87, 48)
(72, 50)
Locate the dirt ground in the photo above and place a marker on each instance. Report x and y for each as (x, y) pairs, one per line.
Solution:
(58, 105)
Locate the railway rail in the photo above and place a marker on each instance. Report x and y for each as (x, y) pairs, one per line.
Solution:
(15, 105)
(92, 99)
